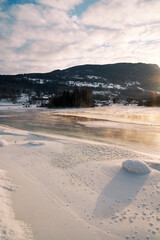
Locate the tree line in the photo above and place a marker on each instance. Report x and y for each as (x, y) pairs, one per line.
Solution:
(79, 97)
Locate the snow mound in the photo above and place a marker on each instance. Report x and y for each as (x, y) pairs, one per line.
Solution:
(3, 143)
(35, 143)
(136, 166)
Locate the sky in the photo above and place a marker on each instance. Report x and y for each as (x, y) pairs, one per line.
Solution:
(44, 35)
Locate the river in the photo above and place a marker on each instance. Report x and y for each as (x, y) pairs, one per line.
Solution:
(137, 128)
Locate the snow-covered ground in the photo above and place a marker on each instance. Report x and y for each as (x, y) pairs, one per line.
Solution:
(76, 189)
(56, 187)
(10, 227)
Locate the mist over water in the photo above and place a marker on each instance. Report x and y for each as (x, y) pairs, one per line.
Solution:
(124, 126)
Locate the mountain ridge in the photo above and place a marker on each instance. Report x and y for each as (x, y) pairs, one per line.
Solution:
(85, 65)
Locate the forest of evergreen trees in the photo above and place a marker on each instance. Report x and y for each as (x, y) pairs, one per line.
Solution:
(79, 97)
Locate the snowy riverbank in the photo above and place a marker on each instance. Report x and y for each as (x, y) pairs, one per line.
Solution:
(76, 189)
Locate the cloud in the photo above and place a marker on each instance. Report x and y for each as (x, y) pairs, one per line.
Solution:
(45, 36)
(129, 21)
(34, 36)
(118, 13)
(61, 4)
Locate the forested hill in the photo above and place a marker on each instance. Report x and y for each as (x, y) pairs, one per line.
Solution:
(120, 80)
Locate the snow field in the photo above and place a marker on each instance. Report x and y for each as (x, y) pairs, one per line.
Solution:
(87, 181)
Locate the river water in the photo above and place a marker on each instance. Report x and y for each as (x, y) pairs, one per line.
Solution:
(126, 126)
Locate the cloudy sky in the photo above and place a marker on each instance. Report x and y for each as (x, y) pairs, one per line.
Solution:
(44, 35)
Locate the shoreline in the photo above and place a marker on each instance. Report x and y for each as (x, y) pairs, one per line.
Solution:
(132, 147)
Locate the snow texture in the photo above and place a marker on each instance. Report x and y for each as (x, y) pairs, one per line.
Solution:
(136, 166)
(10, 228)
(3, 143)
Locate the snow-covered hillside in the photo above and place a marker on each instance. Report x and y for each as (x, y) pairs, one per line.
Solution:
(118, 82)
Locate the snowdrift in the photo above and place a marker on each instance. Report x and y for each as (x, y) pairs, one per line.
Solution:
(136, 166)
(35, 143)
(3, 143)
